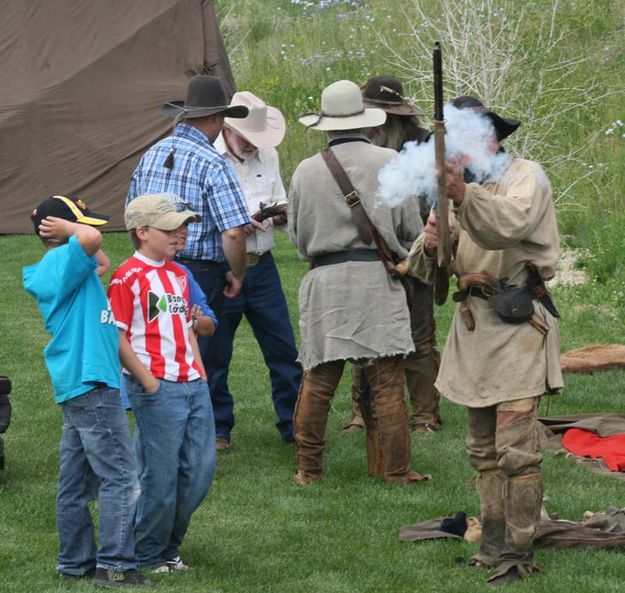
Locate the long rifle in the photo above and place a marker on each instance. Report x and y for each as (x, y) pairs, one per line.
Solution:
(443, 249)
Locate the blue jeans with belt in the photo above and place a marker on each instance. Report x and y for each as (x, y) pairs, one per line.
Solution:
(175, 440)
(97, 461)
(263, 303)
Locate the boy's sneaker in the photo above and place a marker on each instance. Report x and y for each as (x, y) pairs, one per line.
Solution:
(174, 565)
(177, 565)
(66, 576)
(117, 579)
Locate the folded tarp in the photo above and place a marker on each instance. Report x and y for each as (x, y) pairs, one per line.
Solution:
(604, 425)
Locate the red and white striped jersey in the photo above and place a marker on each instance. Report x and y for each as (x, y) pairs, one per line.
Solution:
(150, 302)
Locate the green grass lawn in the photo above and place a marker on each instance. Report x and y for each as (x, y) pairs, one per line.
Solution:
(258, 532)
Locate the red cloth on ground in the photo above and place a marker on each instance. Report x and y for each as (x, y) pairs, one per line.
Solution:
(588, 444)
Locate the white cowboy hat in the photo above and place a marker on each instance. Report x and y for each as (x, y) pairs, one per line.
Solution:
(264, 126)
(342, 108)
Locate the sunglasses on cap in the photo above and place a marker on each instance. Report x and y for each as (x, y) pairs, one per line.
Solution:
(182, 206)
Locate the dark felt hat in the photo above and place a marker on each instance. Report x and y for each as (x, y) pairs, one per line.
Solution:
(503, 126)
(205, 96)
(387, 93)
(68, 208)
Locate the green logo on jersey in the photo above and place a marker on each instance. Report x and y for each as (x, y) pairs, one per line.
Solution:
(156, 305)
(173, 304)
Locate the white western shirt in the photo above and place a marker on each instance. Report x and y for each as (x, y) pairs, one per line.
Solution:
(260, 179)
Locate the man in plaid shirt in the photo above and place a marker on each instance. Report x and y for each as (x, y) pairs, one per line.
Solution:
(187, 164)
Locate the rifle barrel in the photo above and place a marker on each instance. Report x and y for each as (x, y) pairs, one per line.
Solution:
(437, 58)
(442, 211)
(443, 250)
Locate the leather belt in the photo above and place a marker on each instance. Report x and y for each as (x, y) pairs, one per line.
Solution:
(251, 259)
(339, 257)
(185, 261)
(537, 293)
(476, 291)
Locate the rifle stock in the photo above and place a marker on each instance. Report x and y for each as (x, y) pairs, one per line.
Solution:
(268, 211)
(443, 249)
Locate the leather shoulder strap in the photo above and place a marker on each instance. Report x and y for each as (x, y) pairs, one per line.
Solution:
(339, 174)
(359, 216)
(366, 229)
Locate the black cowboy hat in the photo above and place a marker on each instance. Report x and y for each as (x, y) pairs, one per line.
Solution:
(387, 93)
(205, 96)
(503, 126)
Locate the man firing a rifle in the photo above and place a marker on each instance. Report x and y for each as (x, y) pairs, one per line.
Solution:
(502, 352)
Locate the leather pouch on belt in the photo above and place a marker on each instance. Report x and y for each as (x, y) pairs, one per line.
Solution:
(514, 305)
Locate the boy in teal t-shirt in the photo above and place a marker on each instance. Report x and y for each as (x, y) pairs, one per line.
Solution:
(83, 362)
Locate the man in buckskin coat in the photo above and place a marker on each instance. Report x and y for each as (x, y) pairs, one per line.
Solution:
(350, 309)
(498, 369)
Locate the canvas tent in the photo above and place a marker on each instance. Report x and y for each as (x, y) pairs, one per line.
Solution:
(82, 85)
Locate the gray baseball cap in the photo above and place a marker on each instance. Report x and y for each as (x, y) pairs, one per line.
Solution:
(157, 211)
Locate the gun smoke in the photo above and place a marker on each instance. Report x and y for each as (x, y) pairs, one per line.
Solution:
(468, 140)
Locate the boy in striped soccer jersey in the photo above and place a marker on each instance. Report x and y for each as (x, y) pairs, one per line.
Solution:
(165, 381)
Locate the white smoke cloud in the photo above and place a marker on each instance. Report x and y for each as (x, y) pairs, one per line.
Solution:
(468, 136)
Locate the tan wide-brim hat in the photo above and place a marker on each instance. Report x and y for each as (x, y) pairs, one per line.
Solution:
(342, 108)
(264, 126)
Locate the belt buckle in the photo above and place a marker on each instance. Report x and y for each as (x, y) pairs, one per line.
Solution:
(352, 199)
(251, 259)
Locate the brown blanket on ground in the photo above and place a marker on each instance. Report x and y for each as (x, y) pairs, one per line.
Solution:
(597, 357)
(601, 530)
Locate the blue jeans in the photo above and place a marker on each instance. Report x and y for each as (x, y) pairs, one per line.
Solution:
(263, 303)
(97, 461)
(175, 440)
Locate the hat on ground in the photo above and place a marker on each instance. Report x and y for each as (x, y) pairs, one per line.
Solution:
(68, 208)
(205, 96)
(264, 127)
(386, 92)
(342, 108)
(159, 212)
(503, 126)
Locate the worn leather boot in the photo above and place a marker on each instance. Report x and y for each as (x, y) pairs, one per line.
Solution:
(491, 486)
(523, 502)
(301, 478)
